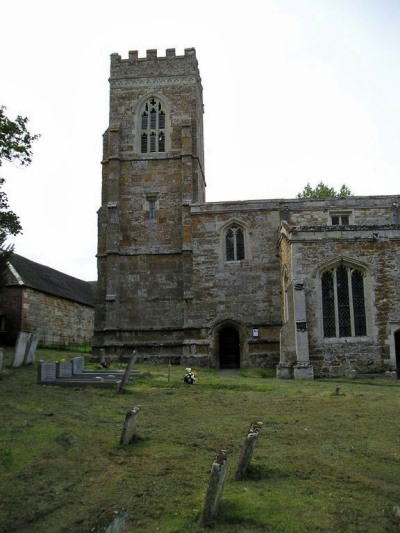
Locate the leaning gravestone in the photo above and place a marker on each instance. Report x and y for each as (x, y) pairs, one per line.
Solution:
(127, 373)
(218, 473)
(31, 348)
(247, 451)
(130, 425)
(20, 349)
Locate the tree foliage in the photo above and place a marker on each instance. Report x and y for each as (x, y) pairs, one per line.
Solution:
(324, 191)
(15, 146)
(15, 140)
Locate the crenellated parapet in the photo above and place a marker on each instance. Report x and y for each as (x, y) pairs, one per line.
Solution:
(154, 65)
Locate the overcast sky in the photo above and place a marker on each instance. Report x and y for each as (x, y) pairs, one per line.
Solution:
(295, 91)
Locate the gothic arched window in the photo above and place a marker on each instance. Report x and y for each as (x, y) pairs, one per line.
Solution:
(152, 132)
(343, 302)
(234, 243)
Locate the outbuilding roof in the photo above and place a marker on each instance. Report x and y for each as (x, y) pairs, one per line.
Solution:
(45, 279)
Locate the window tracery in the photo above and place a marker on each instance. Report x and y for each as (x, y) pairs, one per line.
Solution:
(152, 136)
(234, 243)
(343, 302)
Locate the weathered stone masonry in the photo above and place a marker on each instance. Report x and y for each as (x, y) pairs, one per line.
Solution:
(229, 283)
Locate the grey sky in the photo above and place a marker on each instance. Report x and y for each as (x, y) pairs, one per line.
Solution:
(294, 91)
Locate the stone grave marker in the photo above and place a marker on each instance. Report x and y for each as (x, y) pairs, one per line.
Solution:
(64, 369)
(1, 360)
(31, 348)
(46, 372)
(127, 373)
(247, 451)
(218, 473)
(77, 365)
(117, 525)
(20, 349)
(130, 425)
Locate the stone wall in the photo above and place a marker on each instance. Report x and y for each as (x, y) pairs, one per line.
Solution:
(165, 287)
(58, 321)
(379, 259)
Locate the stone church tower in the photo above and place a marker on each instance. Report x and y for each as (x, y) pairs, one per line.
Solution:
(175, 276)
(309, 286)
(153, 169)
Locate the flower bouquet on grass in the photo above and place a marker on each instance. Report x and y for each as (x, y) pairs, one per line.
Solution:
(190, 376)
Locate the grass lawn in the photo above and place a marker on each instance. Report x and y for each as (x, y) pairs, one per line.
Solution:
(323, 462)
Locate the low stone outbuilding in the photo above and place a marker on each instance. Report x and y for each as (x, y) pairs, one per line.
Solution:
(40, 299)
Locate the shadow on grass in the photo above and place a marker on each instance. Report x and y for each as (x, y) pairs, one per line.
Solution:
(234, 516)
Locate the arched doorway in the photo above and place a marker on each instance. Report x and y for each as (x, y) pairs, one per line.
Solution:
(397, 351)
(229, 348)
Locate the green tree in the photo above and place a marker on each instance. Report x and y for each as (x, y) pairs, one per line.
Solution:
(324, 191)
(15, 146)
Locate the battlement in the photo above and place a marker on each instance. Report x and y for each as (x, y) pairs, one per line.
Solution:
(152, 54)
(154, 65)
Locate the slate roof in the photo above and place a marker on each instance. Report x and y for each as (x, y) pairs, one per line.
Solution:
(50, 281)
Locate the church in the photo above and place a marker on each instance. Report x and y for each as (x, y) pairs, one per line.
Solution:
(310, 287)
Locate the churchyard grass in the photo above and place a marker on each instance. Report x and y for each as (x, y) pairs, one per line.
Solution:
(325, 460)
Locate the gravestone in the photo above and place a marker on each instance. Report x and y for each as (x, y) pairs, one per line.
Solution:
(77, 365)
(247, 451)
(127, 373)
(117, 525)
(31, 348)
(130, 425)
(218, 473)
(64, 369)
(20, 349)
(1, 360)
(46, 372)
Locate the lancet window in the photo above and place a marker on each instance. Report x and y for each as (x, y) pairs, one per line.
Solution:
(234, 243)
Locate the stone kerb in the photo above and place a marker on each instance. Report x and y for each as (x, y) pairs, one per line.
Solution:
(218, 473)
(247, 451)
(20, 349)
(130, 425)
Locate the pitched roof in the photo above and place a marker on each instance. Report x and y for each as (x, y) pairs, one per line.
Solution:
(45, 279)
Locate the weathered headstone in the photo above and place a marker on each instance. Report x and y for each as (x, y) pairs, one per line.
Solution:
(118, 524)
(77, 364)
(130, 425)
(31, 348)
(1, 360)
(64, 369)
(20, 349)
(46, 372)
(247, 451)
(218, 473)
(127, 373)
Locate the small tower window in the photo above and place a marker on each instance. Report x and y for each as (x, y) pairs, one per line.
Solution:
(152, 139)
(152, 208)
